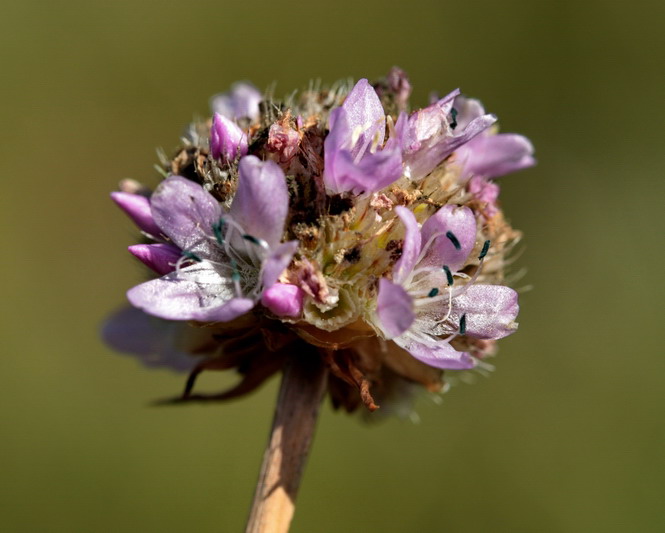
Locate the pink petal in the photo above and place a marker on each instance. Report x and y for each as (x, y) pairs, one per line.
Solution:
(438, 354)
(491, 156)
(261, 203)
(284, 299)
(152, 340)
(242, 101)
(365, 113)
(394, 307)
(457, 228)
(137, 207)
(227, 140)
(186, 213)
(490, 311)
(197, 292)
(159, 257)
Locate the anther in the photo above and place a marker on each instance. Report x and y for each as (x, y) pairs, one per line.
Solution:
(235, 277)
(254, 240)
(191, 255)
(217, 230)
(449, 275)
(485, 249)
(454, 240)
(462, 324)
(453, 114)
(432, 293)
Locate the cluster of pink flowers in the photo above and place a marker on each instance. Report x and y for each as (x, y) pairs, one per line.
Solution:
(336, 223)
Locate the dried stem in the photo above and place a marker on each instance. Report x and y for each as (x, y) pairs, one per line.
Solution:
(284, 460)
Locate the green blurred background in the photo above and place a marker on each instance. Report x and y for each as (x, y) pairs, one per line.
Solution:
(566, 436)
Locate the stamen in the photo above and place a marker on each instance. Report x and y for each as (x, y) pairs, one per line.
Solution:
(217, 230)
(453, 122)
(450, 309)
(231, 226)
(420, 302)
(255, 240)
(454, 240)
(479, 269)
(462, 324)
(485, 249)
(355, 135)
(432, 293)
(371, 143)
(449, 275)
(423, 253)
(235, 277)
(191, 255)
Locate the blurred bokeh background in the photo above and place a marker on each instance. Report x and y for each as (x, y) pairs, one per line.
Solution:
(566, 436)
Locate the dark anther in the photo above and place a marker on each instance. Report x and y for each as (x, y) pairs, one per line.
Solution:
(217, 230)
(253, 240)
(454, 240)
(235, 275)
(453, 123)
(432, 293)
(449, 275)
(191, 255)
(485, 249)
(462, 325)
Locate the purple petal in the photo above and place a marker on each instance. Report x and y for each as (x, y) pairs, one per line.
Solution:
(456, 229)
(197, 292)
(334, 147)
(398, 83)
(394, 307)
(448, 102)
(438, 354)
(284, 299)
(491, 156)
(186, 213)
(276, 262)
(227, 140)
(490, 311)
(153, 340)
(365, 116)
(411, 246)
(424, 125)
(242, 101)
(431, 137)
(475, 127)
(261, 203)
(159, 257)
(468, 109)
(137, 207)
(375, 171)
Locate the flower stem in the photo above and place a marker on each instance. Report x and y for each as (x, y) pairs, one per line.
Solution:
(298, 402)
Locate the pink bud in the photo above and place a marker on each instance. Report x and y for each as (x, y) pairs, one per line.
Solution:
(283, 299)
(227, 140)
(137, 207)
(159, 257)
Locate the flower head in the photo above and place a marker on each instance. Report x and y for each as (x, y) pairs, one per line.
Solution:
(335, 221)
